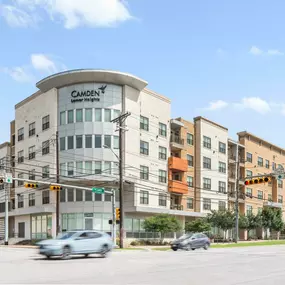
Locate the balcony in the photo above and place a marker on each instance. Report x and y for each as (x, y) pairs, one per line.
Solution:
(232, 197)
(176, 186)
(272, 204)
(177, 163)
(176, 207)
(176, 142)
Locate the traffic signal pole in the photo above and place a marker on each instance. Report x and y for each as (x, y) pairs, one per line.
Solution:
(237, 197)
(114, 236)
(57, 180)
(6, 188)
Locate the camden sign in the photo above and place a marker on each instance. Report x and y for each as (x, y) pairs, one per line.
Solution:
(87, 95)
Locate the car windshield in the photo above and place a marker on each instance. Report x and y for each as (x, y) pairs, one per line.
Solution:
(185, 236)
(66, 235)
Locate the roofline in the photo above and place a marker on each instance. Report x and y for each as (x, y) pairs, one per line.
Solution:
(28, 99)
(209, 121)
(161, 97)
(244, 133)
(181, 118)
(5, 144)
(235, 142)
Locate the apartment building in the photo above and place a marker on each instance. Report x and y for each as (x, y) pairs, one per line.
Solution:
(262, 157)
(211, 166)
(181, 165)
(236, 166)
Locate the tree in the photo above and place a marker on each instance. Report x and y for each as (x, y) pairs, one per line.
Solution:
(277, 222)
(198, 225)
(254, 222)
(162, 223)
(272, 219)
(243, 222)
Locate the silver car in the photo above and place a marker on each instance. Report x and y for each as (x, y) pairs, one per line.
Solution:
(191, 241)
(77, 242)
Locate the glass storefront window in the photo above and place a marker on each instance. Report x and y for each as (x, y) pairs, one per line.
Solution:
(41, 226)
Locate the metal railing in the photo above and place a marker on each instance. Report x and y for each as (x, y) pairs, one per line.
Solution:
(176, 139)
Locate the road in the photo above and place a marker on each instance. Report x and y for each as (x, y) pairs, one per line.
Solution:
(250, 266)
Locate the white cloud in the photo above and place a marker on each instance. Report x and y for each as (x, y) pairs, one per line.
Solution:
(275, 52)
(75, 13)
(217, 105)
(20, 73)
(255, 51)
(41, 62)
(255, 103)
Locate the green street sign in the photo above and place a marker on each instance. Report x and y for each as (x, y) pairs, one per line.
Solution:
(98, 190)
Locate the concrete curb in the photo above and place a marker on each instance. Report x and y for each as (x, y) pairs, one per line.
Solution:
(19, 246)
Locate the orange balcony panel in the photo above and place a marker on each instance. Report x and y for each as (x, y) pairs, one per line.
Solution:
(177, 163)
(175, 186)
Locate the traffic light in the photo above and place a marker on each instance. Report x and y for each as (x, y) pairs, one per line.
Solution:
(257, 180)
(55, 187)
(31, 185)
(118, 213)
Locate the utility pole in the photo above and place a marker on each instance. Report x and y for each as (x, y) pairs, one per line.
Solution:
(120, 121)
(237, 196)
(57, 181)
(114, 216)
(6, 214)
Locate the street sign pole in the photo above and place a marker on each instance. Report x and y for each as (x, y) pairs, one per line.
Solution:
(114, 224)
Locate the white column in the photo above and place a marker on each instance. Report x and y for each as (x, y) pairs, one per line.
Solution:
(53, 227)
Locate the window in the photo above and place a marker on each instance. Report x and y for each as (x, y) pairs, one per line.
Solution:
(62, 169)
(88, 141)
(190, 181)
(162, 153)
(63, 196)
(88, 167)
(79, 141)
(32, 152)
(162, 200)
(144, 123)
(21, 176)
(107, 167)
(88, 115)
(280, 183)
(248, 192)
(162, 130)
(280, 199)
(21, 156)
(45, 147)
(107, 115)
(108, 197)
(144, 197)
(207, 204)
(273, 166)
(20, 134)
(207, 162)
(116, 113)
(116, 142)
(189, 203)
(248, 173)
(62, 143)
(62, 118)
(248, 157)
(222, 167)
(32, 174)
(32, 129)
(207, 142)
(190, 160)
(222, 205)
(45, 171)
(98, 115)
(144, 147)
(162, 176)
(79, 168)
(259, 210)
(144, 172)
(248, 210)
(20, 201)
(267, 163)
(45, 123)
(206, 183)
(70, 169)
(270, 197)
(222, 147)
(98, 197)
(88, 196)
(98, 167)
(32, 199)
(107, 141)
(79, 115)
(260, 194)
(260, 161)
(70, 117)
(190, 140)
(79, 195)
(45, 196)
(70, 195)
(222, 187)
(70, 142)
(98, 141)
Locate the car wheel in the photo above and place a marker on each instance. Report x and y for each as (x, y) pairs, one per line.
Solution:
(86, 255)
(174, 249)
(206, 246)
(188, 247)
(48, 256)
(66, 252)
(104, 250)
(193, 248)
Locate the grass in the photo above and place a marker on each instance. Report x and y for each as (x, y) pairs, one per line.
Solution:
(129, 248)
(247, 244)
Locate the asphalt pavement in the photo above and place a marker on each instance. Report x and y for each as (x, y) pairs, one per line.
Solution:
(250, 265)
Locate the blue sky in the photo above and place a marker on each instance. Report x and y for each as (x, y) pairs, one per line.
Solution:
(220, 59)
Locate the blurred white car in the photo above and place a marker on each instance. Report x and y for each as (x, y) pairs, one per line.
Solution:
(77, 242)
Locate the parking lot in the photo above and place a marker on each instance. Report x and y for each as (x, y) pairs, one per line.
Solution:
(252, 265)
